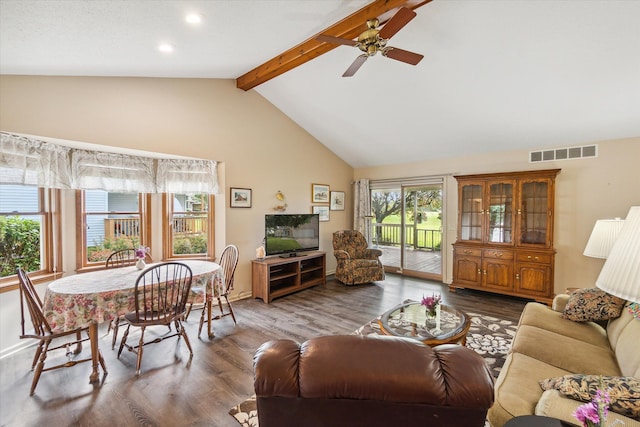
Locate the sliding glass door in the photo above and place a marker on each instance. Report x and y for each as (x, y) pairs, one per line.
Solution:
(407, 226)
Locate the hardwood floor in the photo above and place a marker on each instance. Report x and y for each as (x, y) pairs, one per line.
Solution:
(173, 391)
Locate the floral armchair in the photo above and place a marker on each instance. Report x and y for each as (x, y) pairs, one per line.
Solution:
(356, 263)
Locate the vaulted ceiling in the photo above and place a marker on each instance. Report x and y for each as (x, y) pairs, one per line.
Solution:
(497, 74)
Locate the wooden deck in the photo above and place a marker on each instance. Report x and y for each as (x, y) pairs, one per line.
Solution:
(425, 261)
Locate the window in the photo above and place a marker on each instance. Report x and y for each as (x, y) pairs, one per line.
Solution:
(110, 221)
(188, 225)
(29, 232)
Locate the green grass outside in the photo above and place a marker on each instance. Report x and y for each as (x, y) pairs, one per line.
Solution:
(430, 221)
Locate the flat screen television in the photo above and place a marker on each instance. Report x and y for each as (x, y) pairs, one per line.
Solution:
(287, 234)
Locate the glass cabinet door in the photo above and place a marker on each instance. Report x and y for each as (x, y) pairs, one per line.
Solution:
(500, 212)
(471, 211)
(534, 212)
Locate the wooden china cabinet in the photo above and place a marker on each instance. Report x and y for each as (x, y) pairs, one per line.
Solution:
(505, 234)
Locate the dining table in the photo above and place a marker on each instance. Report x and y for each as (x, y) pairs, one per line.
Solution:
(91, 298)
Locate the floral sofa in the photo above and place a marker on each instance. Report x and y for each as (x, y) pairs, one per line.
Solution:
(356, 262)
(561, 355)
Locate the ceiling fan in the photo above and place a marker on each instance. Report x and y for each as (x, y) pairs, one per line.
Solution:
(374, 40)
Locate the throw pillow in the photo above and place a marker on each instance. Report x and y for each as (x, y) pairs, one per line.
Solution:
(590, 305)
(624, 392)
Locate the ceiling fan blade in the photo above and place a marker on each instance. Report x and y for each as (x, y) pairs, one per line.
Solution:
(355, 65)
(335, 40)
(402, 55)
(395, 24)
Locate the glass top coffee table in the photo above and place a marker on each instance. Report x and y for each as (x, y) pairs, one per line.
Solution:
(409, 320)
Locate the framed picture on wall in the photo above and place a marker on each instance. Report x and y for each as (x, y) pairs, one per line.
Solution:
(319, 193)
(337, 201)
(240, 197)
(322, 211)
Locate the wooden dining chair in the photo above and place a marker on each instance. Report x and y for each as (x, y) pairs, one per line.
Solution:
(125, 258)
(117, 259)
(121, 258)
(45, 334)
(228, 264)
(160, 293)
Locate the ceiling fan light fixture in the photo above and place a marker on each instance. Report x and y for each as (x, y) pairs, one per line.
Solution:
(373, 40)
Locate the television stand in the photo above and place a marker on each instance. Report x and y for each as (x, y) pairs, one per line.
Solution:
(278, 276)
(289, 255)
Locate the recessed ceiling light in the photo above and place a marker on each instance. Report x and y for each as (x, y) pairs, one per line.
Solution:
(193, 18)
(165, 47)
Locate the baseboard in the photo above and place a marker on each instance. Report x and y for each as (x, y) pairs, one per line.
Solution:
(16, 348)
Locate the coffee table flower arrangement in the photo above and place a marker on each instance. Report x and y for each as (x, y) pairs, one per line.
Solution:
(431, 304)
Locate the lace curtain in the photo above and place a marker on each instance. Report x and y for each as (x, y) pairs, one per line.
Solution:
(32, 162)
(187, 176)
(120, 173)
(362, 208)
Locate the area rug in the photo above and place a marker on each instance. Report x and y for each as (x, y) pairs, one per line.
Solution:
(488, 336)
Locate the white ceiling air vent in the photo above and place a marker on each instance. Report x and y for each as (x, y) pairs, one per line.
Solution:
(570, 153)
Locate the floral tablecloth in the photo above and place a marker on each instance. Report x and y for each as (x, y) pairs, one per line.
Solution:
(73, 301)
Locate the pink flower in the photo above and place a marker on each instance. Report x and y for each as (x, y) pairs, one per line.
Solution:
(141, 252)
(587, 414)
(594, 413)
(431, 302)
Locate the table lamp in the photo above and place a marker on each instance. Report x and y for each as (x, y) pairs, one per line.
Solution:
(602, 237)
(620, 275)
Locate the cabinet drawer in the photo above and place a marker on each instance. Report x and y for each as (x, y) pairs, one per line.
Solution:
(534, 257)
(468, 251)
(497, 253)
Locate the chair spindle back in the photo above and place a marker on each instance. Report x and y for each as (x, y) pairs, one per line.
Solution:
(121, 258)
(29, 295)
(161, 291)
(228, 264)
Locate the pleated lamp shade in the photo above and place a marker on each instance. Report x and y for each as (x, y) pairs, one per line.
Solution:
(620, 275)
(602, 237)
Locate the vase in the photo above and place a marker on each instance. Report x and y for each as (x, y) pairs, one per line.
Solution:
(430, 321)
(140, 265)
(433, 319)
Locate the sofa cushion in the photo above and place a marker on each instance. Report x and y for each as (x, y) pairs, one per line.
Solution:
(624, 392)
(588, 305)
(570, 354)
(517, 390)
(365, 263)
(541, 316)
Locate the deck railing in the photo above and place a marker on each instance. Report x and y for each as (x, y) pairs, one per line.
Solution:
(130, 227)
(121, 227)
(418, 238)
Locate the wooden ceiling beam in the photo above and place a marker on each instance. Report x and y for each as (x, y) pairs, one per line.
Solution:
(348, 28)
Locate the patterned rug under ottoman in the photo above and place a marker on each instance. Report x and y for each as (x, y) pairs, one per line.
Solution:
(488, 336)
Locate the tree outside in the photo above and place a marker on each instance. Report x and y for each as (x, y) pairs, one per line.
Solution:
(423, 216)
